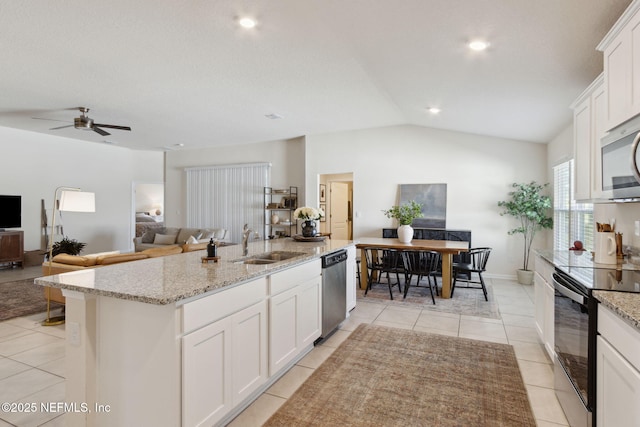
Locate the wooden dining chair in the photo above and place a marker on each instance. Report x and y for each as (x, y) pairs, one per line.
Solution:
(421, 264)
(383, 262)
(476, 263)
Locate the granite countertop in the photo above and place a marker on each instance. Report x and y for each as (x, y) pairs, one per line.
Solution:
(624, 304)
(172, 278)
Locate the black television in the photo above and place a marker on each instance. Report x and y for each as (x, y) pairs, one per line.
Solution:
(10, 212)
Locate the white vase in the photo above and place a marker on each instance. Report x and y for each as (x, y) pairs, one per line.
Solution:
(405, 233)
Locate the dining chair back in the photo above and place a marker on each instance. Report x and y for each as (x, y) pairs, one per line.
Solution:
(383, 261)
(476, 263)
(421, 264)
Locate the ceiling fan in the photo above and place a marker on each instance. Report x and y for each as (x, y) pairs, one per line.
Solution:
(84, 122)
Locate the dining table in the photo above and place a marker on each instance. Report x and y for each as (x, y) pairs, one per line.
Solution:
(446, 248)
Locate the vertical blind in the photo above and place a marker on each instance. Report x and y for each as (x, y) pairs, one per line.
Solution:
(571, 221)
(227, 196)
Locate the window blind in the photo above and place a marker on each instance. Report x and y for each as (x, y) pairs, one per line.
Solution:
(571, 220)
(227, 196)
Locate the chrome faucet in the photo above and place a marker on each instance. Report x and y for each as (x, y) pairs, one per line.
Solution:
(246, 232)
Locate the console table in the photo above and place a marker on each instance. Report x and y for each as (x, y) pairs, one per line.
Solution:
(12, 247)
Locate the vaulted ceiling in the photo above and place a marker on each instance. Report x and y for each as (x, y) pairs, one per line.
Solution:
(185, 72)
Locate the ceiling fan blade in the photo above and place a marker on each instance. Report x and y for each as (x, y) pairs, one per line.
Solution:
(53, 120)
(61, 127)
(112, 126)
(100, 131)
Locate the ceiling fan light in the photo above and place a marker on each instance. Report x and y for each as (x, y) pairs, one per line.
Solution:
(83, 122)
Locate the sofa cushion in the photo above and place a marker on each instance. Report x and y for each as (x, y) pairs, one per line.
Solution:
(164, 239)
(190, 247)
(185, 233)
(162, 251)
(149, 235)
(97, 254)
(114, 259)
(74, 260)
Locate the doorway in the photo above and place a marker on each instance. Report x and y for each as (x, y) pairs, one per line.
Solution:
(337, 203)
(147, 200)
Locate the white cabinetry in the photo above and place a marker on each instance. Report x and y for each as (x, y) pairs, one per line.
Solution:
(618, 372)
(226, 360)
(544, 303)
(588, 128)
(351, 278)
(621, 51)
(295, 316)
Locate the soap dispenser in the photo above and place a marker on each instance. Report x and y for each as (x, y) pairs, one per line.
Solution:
(212, 249)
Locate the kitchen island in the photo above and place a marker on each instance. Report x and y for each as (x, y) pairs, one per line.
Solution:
(175, 341)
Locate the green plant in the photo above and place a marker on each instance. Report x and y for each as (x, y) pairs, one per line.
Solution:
(67, 246)
(406, 213)
(530, 207)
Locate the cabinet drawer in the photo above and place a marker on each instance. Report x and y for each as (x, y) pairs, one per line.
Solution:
(292, 277)
(620, 335)
(222, 304)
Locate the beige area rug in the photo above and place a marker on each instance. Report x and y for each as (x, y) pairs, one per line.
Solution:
(465, 301)
(384, 376)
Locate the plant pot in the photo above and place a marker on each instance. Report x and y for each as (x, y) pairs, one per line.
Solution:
(525, 277)
(405, 233)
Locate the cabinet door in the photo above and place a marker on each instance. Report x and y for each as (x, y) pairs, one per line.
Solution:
(617, 71)
(309, 316)
(549, 318)
(283, 311)
(538, 283)
(249, 350)
(598, 127)
(617, 388)
(634, 72)
(206, 386)
(582, 149)
(351, 278)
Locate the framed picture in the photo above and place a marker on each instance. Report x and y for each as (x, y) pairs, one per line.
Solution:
(323, 191)
(324, 209)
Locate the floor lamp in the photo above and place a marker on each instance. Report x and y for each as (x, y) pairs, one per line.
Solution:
(71, 200)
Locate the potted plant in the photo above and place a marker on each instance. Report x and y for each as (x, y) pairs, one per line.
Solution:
(405, 214)
(530, 207)
(67, 246)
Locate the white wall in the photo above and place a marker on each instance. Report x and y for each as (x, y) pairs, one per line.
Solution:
(287, 168)
(34, 165)
(478, 172)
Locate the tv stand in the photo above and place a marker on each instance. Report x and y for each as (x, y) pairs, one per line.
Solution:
(12, 247)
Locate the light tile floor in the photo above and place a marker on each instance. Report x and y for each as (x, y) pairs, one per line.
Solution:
(32, 359)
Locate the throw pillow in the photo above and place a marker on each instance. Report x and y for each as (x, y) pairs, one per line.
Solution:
(191, 240)
(164, 239)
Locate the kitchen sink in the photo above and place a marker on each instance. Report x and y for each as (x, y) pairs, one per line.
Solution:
(269, 257)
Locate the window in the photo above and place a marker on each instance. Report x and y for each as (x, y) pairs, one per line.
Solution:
(571, 221)
(227, 196)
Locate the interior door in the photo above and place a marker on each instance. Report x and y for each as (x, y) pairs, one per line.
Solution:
(339, 199)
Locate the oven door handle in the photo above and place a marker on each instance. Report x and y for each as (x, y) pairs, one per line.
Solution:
(574, 296)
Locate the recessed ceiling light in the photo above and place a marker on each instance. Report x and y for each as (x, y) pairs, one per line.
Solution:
(478, 45)
(247, 22)
(433, 110)
(273, 116)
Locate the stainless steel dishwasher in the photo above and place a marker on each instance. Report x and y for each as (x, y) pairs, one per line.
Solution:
(334, 291)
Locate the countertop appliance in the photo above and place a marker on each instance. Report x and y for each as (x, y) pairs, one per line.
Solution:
(334, 291)
(575, 329)
(621, 162)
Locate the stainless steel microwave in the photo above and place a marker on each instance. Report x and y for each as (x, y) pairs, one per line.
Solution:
(620, 162)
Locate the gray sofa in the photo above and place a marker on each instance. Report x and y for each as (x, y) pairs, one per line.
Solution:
(161, 237)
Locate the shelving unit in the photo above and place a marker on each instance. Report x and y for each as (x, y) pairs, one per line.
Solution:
(282, 203)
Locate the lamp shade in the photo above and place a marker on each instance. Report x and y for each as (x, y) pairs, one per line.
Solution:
(77, 201)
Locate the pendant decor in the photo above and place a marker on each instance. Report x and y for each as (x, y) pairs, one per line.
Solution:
(309, 228)
(405, 233)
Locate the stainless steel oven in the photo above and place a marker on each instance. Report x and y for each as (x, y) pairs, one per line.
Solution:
(575, 326)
